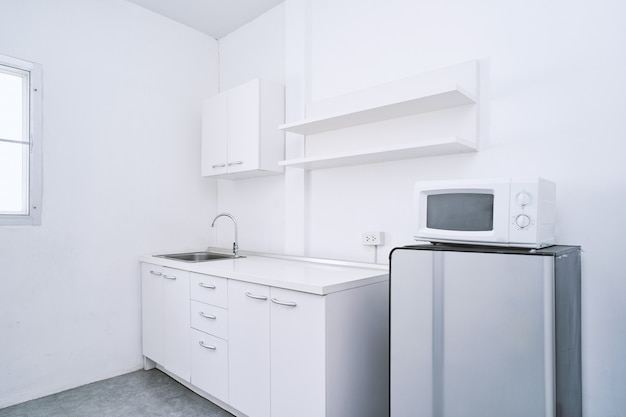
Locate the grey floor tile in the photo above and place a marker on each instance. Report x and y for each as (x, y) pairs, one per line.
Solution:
(42, 407)
(138, 394)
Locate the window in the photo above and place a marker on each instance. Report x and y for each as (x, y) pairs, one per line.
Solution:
(20, 142)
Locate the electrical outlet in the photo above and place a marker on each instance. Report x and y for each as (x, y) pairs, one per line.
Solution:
(372, 238)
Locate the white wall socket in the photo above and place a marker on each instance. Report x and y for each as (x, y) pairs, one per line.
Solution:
(372, 238)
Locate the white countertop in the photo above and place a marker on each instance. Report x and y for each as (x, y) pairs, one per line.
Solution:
(314, 277)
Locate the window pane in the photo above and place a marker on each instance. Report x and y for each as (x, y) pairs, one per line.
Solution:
(13, 178)
(11, 106)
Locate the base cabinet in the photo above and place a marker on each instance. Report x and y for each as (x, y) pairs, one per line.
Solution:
(209, 334)
(269, 352)
(298, 354)
(152, 312)
(294, 353)
(249, 337)
(165, 318)
(209, 356)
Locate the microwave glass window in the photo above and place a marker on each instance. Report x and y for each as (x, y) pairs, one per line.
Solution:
(465, 212)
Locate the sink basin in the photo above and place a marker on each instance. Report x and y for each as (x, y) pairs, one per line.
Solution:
(197, 256)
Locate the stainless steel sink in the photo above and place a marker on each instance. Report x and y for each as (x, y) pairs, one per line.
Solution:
(197, 256)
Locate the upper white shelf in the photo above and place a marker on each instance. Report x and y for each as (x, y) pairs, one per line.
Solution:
(430, 91)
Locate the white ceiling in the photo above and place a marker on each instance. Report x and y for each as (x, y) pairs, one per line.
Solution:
(216, 18)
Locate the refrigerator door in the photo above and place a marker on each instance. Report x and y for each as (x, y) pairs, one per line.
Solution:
(472, 334)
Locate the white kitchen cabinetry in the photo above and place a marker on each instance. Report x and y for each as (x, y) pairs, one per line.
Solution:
(249, 337)
(152, 311)
(209, 334)
(240, 135)
(406, 118)
(264, 337)
(209, 358)
(165, 318)
(298, 354)
(294, 353)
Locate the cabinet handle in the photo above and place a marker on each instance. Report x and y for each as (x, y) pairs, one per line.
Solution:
(235, 163)
(158, 274)
(222, 165)
(284, 303)
(256, 297)
(172, 277)
(207, 346)
(207, 316)
(209, 286)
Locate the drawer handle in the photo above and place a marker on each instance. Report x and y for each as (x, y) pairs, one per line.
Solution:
(172, 277)
(157, 273)
(284, 303)
(235, 163)
(209, 286)
(256, 297)
(207, 346)
(222, 165)
(207, 316)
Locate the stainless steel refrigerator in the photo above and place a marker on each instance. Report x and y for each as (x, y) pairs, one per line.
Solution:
(485, 332)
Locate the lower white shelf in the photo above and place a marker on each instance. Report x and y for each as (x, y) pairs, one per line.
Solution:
(436, 147)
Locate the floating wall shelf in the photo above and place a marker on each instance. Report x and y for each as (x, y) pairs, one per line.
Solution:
(428, 92)
(438, 147)
(452, 96)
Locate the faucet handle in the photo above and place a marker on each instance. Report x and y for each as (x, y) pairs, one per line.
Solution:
(236, 249)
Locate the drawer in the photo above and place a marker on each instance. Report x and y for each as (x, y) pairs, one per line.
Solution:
(209, 364)
(209, 289)
(209, 319)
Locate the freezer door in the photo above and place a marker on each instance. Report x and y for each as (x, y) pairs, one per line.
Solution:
(471, 334)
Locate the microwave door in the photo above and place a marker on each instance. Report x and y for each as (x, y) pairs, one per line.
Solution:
(465, 215)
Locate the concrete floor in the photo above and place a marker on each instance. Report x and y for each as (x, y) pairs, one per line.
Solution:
(138, 394)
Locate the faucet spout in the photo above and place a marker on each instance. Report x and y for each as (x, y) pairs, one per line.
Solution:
(235, 244)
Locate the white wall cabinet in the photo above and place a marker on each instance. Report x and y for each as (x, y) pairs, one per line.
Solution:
(165, 318)
(240, 135)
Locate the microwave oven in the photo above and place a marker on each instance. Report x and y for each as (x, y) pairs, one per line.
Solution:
(516, 212)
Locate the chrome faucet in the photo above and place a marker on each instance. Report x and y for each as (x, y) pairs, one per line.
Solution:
(235, 245)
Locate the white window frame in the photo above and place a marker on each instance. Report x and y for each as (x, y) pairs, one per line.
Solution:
(35, 175)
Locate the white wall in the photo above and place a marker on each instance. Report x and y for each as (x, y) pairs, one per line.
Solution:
(552, 87)
(552, 84)
(122, 119)
(256, 50)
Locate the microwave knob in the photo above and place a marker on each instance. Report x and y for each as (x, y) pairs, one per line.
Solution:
(522, 221)
(523, 198)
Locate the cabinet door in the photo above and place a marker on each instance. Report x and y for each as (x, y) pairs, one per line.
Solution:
(209, 355)
(152, 311)
(298, 354)
(249, 348)
(244, 122)
(176, 322)
(214, 135)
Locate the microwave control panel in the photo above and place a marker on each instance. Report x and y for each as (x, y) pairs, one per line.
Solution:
(533, 212)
